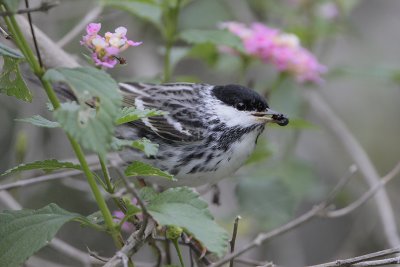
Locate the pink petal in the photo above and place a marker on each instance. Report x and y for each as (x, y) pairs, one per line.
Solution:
(132, 43)
(93, 28)
(121, 31)
(112, 51)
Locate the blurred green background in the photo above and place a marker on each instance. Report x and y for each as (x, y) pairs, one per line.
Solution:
(293, 167)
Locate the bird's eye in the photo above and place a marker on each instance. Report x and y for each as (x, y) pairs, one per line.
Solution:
(240, 106)
(260, 108)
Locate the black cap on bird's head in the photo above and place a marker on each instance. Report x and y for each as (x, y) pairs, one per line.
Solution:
(245, 99)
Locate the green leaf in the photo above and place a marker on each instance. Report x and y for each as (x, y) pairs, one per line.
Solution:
(9, 52)
(129, 114)
(38, 120)
(45, 165)
(24, 232)
(142, 169)
(11, 81)
(144, 144)
(146, 10)
(12, 5)
(92, 126)
(182, 207)
(216, 37)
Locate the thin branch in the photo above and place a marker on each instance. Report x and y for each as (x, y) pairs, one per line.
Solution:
(52, 55)
(395, 260)
(366, 196)
(43, 178)
(253, 262)
(33, 35)
(233, 239)
(4, 33)
(90, 16)
(44, 7)
(133, 244)
(361, 259)
(336, 125)
(314, 212)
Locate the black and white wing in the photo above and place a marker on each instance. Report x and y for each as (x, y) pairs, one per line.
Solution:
(182, 123)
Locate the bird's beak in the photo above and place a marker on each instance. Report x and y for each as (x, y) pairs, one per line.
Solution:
(272, 116)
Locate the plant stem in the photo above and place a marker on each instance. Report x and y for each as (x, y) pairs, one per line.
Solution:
(171, 17)
(176, 245)
(38, 70)
(106, 174)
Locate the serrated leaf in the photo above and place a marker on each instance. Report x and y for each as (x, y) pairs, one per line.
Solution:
(147, 10)
(24, 232)
(92, 126)
(10, 52)
(144, 144)
(11, 81)
(45, 165)
(129, 114)
(38, 120)
(216, 37)
(138, 168)
(182, 207)
(12, 5)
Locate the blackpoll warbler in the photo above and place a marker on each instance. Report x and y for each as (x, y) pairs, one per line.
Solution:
(207, 134)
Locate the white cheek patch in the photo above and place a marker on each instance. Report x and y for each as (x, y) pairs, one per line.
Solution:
(233, 117)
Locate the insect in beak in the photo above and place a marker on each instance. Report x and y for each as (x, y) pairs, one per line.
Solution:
(272, 116)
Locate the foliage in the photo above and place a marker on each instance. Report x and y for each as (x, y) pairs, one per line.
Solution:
(182, 207)
(188, 34)
(91, 120)
(11, 81)
(24, 232)
(138, 168)
(45, 165)
(38, 120)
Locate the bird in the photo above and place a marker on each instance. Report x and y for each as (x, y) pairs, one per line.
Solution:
(206, 133)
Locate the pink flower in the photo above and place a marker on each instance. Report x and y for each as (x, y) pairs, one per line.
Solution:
(105, 50)
(328, 10)
(278, 48)
(126, 226)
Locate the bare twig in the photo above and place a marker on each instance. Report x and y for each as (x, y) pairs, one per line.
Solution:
(233, 239)
(314, 212)
(358, 260)
(90, 16)
(52, 55)
(4, 33)
(33, 34)
(253, 262)
(133, 244)
(366, 196)
(361, 159)
(44, 7)
(395, 260)
(42, 178)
